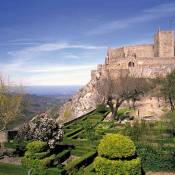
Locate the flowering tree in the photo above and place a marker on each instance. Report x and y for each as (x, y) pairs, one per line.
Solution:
(42, 127)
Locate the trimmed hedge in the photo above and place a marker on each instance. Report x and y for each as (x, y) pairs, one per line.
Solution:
(79, 118)
(55, 171)
(116, 146)
(11, 145)
(117, 167)
(73, 132)
(75, 136)
(79, 151)
(89, 169)
(83, 161)
(37, 163)
(61, 157)
(101, 108)
(35, 159)
(36, 155)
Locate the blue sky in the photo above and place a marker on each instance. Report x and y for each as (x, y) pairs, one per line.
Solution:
(58, 42)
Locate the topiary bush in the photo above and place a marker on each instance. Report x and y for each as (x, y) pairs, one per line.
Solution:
(37, 158)
(117, 167)
(36, 146)
(117, 156)
(116, 146)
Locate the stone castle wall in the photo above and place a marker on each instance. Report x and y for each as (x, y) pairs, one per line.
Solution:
(145, 67)
(149, 60)
(164, 44)
(146, 50)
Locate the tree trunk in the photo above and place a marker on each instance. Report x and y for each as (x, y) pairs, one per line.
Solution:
(171, 103)
(114, 108)
(133, 104)
(114, 112)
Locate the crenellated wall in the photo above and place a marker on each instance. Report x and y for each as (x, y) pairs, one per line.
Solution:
(163, 47)
(164, 44)
(146, 50)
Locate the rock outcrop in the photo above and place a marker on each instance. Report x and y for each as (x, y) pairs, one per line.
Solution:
(84, 101)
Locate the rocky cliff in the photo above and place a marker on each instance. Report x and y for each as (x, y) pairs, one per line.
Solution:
(84, 101)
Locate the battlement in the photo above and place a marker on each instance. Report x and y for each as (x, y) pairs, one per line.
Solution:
(163, 46)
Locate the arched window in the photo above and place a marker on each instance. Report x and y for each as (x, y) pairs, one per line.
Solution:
(131, 64)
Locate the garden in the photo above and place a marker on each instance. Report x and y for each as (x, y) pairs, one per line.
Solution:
(79, 151)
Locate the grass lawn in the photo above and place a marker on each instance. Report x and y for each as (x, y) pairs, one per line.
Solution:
(8, 169)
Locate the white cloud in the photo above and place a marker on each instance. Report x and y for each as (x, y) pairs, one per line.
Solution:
(50, 74)
(47, 47)
(150, 14)
(78, 77)
(72, 56)
(20, 69)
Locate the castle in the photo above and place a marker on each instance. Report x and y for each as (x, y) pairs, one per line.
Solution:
(146, 60)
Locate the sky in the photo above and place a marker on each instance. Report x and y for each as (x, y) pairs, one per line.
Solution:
(58, 42)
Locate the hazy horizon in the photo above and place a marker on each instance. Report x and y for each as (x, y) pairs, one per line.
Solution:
(49, 90)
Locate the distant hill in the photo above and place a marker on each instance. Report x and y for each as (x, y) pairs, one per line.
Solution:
(52, 90)
(39, 99)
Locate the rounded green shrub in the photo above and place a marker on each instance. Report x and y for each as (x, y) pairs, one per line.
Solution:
(36, 146)
(116, 146)
(117, 167)
(117, 156)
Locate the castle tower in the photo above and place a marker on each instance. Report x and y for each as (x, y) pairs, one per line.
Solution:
(164, 44)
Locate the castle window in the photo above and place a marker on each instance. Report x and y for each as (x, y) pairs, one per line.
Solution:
(131, 64)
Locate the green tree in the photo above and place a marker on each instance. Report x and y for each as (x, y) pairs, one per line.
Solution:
(167, 88)
(116, 90)
(10, 102)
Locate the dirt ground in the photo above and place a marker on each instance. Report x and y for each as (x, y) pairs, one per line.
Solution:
(11, 160)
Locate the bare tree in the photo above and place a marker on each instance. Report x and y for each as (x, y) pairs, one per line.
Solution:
(118, 89)
(10, 102)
